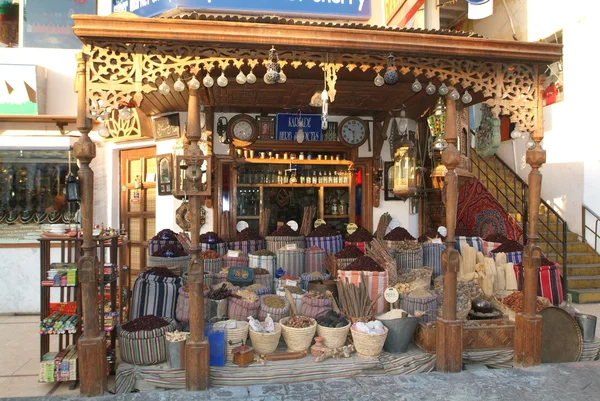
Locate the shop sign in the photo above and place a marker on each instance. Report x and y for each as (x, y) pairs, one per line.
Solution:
(287, 126)
(332, 9)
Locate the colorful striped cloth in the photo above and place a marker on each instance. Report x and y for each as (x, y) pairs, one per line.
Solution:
(495, 359)
(274, 243)
(213, 266)
(409, 259)
(233, 261)
(332, 244)
(248, 246)
(432, 257)
(412, 304)
(474, 242)
(276, 313)
(291, 261)
(146, 347)
(264, 262)
(308, 277)
(238, 309)
(511, 257)
(154, 295)
(488, 247)
(591, 350)
(377, 282)
(410, 362)
(314, 308)
(549, 282)
(314, 260)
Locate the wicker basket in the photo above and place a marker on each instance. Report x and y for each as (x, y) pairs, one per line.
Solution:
(368, 346)
(234, 337)
(265, 343)
(333, 337)
(298, 339)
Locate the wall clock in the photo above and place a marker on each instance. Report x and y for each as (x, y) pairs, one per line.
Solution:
(353, 131)
(242, 130)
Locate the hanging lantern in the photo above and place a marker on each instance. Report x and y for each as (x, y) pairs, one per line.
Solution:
(405, 163)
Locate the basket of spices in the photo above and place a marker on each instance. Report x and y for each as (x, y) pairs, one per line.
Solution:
(247, 241)
(297, 294)
(298, 332)
(275, 305)
(333, 328)
(211, 241)
(315, 305)
(433, 247)
(375, 276)
(291, 260)
(326, 237)
(234, 336)
(369, 338)
(142, 341)
(282, 236)
(264, 342)
(421, 303)
(360, 238)
(241, 304)
(348, 255)
(263, 277)
(314, 259)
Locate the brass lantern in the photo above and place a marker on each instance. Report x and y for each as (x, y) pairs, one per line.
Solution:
(405, 166)
(437, 126)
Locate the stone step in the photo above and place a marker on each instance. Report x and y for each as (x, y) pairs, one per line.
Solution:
(585, 296)
(586, 269)
(576, 247)
(577, 258)
(583, 282)
(571, 237)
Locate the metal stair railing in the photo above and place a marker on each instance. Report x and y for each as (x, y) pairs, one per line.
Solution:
(510, 191)
(585, 211)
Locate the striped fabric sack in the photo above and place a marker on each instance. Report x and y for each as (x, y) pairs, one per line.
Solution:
(377, 282)
(360, 245)
(182, 313)
(412, 303)
(264, 279)
(549, 282)
(343, 262)
(314, 308)
(511, 257)
(332, 244)
(281, 283)
(276, 313)
(238, 309)
(395, 245)
(213, 266)
(432, 257)
(154, 295)
(308, 277)
(314, 260)
(155, 245)
(146, 347)
(217, 278)
(474, 242)
(220, 247)
(264, 290)
(265, 262)
(248, 246)
(291, 261)
(488, 247)
(274, 243)
(232, 261)
(409, 259)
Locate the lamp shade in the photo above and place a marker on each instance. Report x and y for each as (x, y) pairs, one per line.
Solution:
(405, 163)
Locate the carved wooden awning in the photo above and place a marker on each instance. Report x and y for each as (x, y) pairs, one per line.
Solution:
(128, 57)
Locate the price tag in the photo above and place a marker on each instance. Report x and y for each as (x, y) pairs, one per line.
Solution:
(291, 247)
(391, 295)
(233, 253)
(319, 222)
(351, 228)
(293, 283)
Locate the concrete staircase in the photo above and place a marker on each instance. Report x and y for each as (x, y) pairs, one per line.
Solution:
(582, 262)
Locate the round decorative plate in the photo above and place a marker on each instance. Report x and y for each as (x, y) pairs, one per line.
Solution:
(241, 225)
(293, 224)
(561, 336)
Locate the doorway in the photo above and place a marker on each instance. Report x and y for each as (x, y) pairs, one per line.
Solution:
(138, 204)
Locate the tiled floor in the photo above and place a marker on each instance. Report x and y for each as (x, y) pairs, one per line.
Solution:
(19, 357)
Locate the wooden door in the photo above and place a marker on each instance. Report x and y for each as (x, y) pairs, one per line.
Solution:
(138, 204)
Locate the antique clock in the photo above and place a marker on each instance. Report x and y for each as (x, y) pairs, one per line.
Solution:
(193, 175)
(242, 130)
(353, 131)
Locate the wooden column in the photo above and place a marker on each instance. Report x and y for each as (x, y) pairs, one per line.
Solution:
(91, 345)
(528, 325)
(449, 330)
(197, 351)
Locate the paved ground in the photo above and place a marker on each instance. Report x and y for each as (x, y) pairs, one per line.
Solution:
(573, 382)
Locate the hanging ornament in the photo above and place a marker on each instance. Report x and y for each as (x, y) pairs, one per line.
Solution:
(164, 88)
(391, 74)
(103, 131)
(251, 78)
(430, 89)
(241, 78)
(222, 81)
(208, 81)
(125, 113)
(194, 83)
(282, 77)
(467, 98)
(379, 81)
(443, 89)
(530, 144)
(416, 86)
(454, 95)
(272, 75)
(179, 85)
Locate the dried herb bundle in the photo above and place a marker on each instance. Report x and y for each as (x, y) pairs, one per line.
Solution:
(356, 301)
(379, 253)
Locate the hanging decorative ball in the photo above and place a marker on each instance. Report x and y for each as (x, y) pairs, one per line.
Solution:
(530, 144)
(251, 78)
(416, 86)
(222, 81)
(194, 83)
(125, 113)
(179, 86)
(443, 89)
(378, 81)
(241, 78)
(516, 134)
(208, 81)
(282, 77)
(103, 131)
(164, 89)
(430, 88)
(467, 98)
(454, 95)
(390, 76)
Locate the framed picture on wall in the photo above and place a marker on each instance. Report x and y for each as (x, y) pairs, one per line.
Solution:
(164, 168)
(266, 127)
(388, 182)
(166, 127)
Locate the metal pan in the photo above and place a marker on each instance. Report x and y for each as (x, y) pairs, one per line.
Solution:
(561, 336)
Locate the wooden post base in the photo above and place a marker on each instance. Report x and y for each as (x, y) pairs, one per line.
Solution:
(448, 352)
(92, 366)
(528, 341)
(197, 365)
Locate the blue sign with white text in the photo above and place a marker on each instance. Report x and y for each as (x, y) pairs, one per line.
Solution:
(287, 126)
(333, 9)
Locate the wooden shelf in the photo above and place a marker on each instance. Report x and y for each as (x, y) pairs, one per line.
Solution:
(248, 217)
(336, 216)
(334, 147)
(293, 185)
(298, 161)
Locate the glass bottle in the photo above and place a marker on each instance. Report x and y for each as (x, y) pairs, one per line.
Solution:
(314, 177)
(346, 177)
(336, 178)
(320, 177)
(302, 178)
(285, 177)
(279, 177)
(330, 177)
(568, 307)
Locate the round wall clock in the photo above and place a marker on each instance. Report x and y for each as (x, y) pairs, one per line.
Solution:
(353, 131)
(242, 130)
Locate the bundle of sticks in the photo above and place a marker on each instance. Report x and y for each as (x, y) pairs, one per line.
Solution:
(331, 265)
(384, 222)
(263, 224)
(377, 251)
(309, 215)
(355, 300)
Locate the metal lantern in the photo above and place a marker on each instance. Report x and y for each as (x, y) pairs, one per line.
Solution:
(437, 126)
(405, 165)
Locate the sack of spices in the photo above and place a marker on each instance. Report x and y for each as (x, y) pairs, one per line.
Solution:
(142, 340)
(247, 241)
(360, 238)
(240, 308)
(259, 289)
(263, 259)
(347, 256)
(212, 261)
(408, 256)
(155, 293)
(291, 261)
(235, 261)
(314, 276)
(432, 256)
(210, 241)
(315, 305)
(182, 312)
(421, 303)
(282, 236)
(263, 277)
(278, 307)
(377, 282)
(326, 237)
(314, 259)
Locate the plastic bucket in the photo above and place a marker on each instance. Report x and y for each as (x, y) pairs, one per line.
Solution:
(400, 333)
(587, 324)
(216, 340)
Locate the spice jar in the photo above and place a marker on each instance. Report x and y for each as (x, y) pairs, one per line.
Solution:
(301, 156)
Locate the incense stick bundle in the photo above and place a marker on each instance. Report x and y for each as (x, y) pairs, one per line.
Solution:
(384, 222)
(355, 300)
(377, 251)
(309, 215)
(263, 224)
(331, 265)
